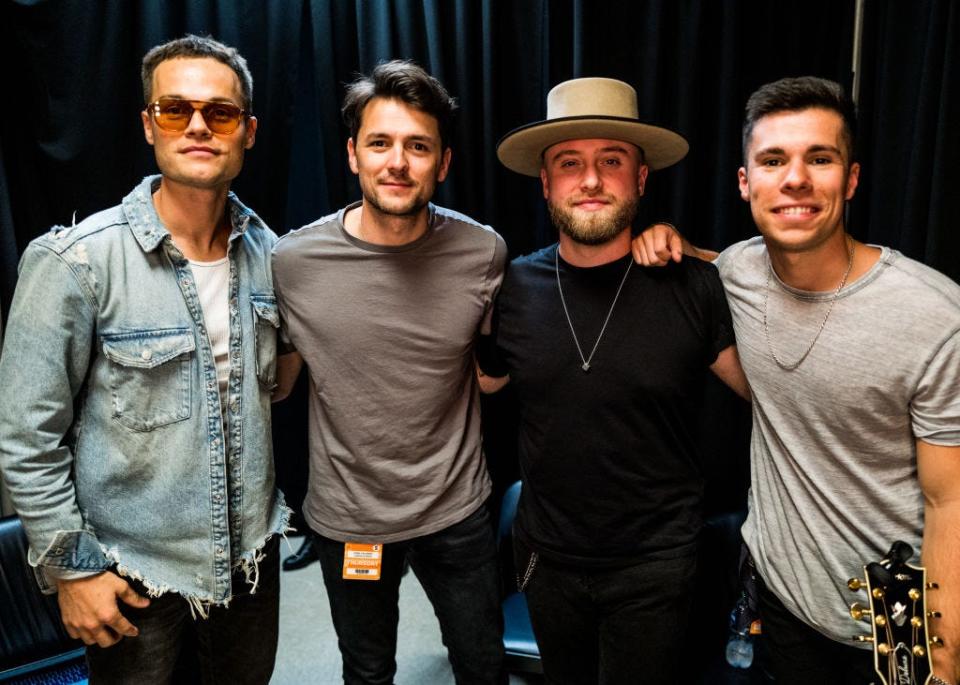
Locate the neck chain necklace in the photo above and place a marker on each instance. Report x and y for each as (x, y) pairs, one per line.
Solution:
(586, 360)
(766, 330)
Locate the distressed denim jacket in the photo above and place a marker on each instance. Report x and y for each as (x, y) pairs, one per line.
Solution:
(112, 440)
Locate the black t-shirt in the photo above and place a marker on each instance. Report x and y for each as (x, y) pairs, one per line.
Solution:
(611, 471)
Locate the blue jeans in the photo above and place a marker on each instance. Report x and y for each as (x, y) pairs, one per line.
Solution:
(237, 644)
(610, 625)
(457, 568)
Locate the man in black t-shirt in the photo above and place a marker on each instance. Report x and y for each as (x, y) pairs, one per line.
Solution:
(607, 362)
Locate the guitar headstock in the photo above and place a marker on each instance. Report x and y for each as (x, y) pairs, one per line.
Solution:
(898, 615)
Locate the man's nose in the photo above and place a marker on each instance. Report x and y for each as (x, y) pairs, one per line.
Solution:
(198, 125)
(398, 158)
(797, 176)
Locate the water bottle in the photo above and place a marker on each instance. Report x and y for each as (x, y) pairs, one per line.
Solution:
(740, 644)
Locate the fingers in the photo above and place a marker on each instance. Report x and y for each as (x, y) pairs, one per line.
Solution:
(651, 247)
(130, 596)
(90, 611)
(676, 247)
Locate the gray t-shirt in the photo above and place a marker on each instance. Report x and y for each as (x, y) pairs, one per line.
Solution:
(833, 453)
(387, 334)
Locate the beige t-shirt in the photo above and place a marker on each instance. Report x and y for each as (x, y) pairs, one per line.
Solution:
(387, 334)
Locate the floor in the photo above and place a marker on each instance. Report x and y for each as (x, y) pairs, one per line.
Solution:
(308, 653)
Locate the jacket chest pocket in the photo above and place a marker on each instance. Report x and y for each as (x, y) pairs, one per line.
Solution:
(266, 318)
(150, 376)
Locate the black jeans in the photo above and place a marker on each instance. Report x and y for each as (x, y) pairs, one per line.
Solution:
(237, 644)
(793, 653)
(610, 625)
(457, 568)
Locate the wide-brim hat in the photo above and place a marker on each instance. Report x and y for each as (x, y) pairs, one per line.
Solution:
(589, 108)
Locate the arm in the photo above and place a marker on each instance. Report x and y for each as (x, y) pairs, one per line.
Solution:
(727, 368)
(288, 369)
(47, 351)
(661, 243)
(938, 469)
(490, 384)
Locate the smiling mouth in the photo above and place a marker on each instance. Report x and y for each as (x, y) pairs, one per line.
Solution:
(204, 150)
(796, 211)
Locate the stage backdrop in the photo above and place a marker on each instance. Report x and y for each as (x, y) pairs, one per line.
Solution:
(71, 140)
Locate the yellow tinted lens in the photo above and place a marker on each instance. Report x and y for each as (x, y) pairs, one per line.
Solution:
(221, 117)
(173, 115)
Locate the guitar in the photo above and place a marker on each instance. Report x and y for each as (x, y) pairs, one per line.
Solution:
(898, 616)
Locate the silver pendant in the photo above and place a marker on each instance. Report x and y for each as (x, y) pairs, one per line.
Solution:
(585, 367)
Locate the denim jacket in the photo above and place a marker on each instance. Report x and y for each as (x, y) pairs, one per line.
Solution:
(112, 441)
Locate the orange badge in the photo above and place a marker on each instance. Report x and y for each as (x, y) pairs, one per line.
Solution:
(361, 561)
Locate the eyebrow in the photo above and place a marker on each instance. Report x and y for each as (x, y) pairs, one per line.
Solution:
(415, 137)
(812, 148)
(573, 152)
(174, 96)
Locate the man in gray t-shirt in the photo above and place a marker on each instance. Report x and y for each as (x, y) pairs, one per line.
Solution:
(384, 301)
(852, 352)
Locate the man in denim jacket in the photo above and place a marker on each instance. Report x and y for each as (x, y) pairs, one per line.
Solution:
(138, 366)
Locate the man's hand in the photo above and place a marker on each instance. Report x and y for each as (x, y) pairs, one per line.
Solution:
(657, 245)
(90, 612)
(660, 244)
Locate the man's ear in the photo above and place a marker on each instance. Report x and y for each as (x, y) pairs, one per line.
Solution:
(444, 165)
(352, 156)
(853, 180)
(642, 177)
(251, 133)
(147, 127)
(743, 183)
(545, 183)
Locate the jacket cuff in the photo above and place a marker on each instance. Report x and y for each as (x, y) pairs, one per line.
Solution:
(70, 551)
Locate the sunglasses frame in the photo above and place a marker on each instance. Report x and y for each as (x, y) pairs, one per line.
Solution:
(202, 106)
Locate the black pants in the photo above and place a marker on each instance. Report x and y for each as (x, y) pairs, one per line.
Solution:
(610, 626)
(457, 568)
(237, 644)
(794, 653)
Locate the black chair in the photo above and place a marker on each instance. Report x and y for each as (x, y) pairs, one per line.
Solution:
(522, 653)
(34, 646)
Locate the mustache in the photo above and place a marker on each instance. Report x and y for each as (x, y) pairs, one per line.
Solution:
(588, 198)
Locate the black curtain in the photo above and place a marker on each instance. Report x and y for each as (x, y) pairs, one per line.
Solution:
(71, 140)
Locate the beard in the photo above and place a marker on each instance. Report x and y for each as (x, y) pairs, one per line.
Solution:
(385, 204)
(594, 228)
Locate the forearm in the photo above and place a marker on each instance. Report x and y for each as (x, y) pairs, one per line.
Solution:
(938, 469)
(941, 557)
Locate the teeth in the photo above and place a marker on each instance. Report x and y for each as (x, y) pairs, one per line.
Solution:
(793, 211)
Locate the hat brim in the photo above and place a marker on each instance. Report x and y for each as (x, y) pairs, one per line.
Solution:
(521, 150)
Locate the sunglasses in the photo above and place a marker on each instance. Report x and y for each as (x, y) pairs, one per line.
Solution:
(173, 114)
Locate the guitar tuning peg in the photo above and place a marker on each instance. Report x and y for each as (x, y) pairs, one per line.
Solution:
(881, 620)
(916, 622)
(933, 586)
(919, 651)
(856, 584)
(878, 593)
(883, 649)
(914, 594)
(936, 641)
(934, 614)
(858, 611)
